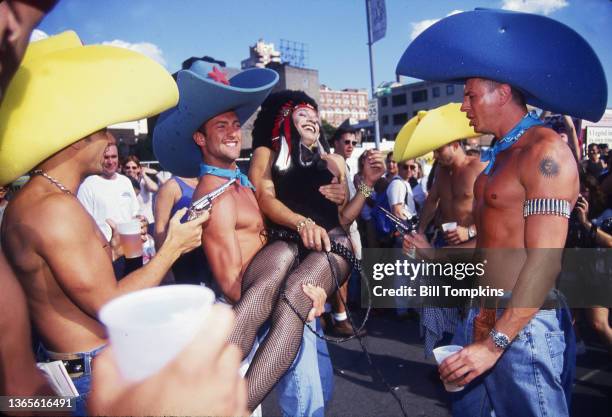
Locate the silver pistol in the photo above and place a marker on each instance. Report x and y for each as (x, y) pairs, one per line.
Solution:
(205, 202)
(402, 226)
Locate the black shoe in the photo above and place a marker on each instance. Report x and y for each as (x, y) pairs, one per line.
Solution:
(343, 329)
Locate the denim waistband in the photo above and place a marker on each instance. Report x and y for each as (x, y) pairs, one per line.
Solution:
(77, 363)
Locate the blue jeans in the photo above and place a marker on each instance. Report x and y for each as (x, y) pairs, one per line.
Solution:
(308, 384)
(532, 378)
(82, 383)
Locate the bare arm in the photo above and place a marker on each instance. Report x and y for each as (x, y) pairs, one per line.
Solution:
(148, 182)
(221, 246)
(260, 174)
(374, 168)
(168, 195)
(555, 176)
(18, 372)
(548, 171)
(86, 275)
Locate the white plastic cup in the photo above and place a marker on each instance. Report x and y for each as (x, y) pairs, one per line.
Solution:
(129, 235)
(443, 352)
(449, 227)
(148, 328)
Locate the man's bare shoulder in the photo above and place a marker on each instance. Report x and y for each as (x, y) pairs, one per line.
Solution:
(543, 141)
(475, 165)
(547, 166)
(224, 207)
(52, 215)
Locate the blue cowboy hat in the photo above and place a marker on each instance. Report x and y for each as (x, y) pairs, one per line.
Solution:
(203, 94)
(551, 64)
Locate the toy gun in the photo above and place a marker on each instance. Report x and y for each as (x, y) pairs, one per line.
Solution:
(402, 226)
(205, 202)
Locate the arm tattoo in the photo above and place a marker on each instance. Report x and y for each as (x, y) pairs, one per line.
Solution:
(549, 167)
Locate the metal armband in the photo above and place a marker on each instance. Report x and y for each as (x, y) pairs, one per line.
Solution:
(547, 207)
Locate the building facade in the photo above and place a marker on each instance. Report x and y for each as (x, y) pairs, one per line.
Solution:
(403, 102)
(335, 106)
(260, 55)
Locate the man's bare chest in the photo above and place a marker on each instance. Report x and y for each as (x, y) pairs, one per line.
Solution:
(456, 187)
(501, 189)
(248, 213)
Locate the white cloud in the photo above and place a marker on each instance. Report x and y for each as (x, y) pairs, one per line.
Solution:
(37, 35)
(146, 48)
(544, 7)
(420, 26)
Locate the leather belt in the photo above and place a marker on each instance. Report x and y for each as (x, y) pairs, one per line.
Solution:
(75, 363)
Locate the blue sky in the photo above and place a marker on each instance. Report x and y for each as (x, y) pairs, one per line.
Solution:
(334, 30)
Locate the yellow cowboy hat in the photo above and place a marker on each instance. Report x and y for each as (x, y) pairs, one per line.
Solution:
(63, 92)
(429, 130)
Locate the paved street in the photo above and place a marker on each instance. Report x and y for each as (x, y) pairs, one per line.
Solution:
(396, 349)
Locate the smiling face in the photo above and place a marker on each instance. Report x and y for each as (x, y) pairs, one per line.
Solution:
(110, 163)
(306, 122)
(131, 169)
(220, 140)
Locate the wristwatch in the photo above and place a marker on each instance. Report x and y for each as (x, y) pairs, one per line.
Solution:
(500, 339)
(471, 231)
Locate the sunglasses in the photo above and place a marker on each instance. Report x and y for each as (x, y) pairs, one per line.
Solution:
(409, 166)
(351, 142)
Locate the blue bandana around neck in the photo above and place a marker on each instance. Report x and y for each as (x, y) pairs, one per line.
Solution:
(529, 120)
(226, 173)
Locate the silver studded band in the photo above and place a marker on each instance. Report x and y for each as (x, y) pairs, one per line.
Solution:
(547, 207)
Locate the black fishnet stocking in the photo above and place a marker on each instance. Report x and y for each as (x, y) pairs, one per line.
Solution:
(261, 286)
(280, 347)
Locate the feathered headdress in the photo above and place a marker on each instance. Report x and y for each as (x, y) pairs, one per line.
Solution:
(275, 121)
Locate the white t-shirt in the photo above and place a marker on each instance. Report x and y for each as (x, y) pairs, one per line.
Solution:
(113, 199)
(400, 192)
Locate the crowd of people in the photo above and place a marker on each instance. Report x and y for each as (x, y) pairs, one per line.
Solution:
(281, 246)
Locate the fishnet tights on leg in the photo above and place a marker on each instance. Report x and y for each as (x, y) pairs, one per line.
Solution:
(261, 285)
(279, 349)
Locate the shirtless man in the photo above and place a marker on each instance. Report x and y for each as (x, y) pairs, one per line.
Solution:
(518, 358)
(208, 145)
(53, 245)
(452, 193)
(18, 372)
(539, 165)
